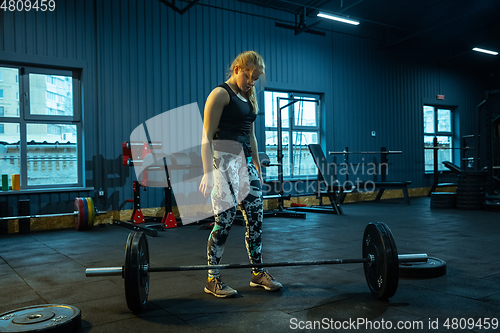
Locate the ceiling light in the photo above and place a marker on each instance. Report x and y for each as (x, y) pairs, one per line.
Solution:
(338, 18)
(477, 49)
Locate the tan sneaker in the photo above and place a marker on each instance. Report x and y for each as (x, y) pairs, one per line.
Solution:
(216, 287)
(265, 280)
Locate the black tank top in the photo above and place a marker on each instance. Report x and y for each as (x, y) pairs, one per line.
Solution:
(235, 122)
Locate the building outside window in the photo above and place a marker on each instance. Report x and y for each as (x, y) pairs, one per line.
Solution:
(42, 132)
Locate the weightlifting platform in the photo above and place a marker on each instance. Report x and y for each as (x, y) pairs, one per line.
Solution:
(49, 268)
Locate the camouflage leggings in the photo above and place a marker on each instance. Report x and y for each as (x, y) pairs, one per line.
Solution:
(234, 177)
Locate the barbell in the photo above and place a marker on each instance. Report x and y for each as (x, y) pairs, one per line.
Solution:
(84, 214)
(450, 148)
(380, 261)
(365, 152)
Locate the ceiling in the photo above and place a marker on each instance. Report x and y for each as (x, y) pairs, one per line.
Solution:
(441, 31)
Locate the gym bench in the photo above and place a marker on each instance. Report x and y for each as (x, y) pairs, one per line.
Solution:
(337, 192)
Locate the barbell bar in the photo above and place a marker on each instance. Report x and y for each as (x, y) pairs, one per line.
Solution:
(36, 216)
(365, 152)
(118, 271)
(450, 148)
(84, 214)
(380, 261)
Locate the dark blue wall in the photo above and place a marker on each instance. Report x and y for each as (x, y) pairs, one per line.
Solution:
(140, 58)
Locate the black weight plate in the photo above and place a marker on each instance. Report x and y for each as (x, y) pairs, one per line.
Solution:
(475, 192)
(438, 199)
(443, 203)
(471, 185)
(433, 268)
(469, 205)
(469, 201)
(443, 198)
(42, 318)
(393, 270)
(381, 275)
(136, 272)
(443, 206)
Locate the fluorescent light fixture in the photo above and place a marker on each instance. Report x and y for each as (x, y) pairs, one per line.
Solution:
(477, 49)
(338, 18)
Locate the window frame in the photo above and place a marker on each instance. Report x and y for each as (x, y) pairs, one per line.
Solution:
(25, 118)
(436, 133)
(292, 128)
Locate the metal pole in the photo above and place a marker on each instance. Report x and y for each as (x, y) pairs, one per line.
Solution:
(46, 215)
(280, 152)
(37, 216)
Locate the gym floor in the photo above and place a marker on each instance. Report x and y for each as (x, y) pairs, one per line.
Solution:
(49, 268)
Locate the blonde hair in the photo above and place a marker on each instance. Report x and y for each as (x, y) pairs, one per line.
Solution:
(251, 61)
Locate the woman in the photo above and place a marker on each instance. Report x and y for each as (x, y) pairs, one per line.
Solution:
(228, 127)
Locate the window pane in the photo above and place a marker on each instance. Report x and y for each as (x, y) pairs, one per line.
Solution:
(10, 163)
(270, 98)
(271, 138)
(52, 154)
(272, 152)
(444, 120)
(51, 95)
(286, 156)
(428, 119)
(303, 163)
(9, 93)
(305, 113)
(428, 154)
(443, 154)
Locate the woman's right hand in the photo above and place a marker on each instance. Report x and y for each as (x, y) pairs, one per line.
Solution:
(207, 184)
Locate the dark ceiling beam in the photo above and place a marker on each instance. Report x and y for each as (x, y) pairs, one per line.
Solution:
(296, 29)
(302, 26)
(306, 28)
(266, 5)
(177, 9)
(349, 7)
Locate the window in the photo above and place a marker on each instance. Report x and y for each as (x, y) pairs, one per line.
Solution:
(1, 93)
(437, 124)
(41, 137)
(299, 127)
